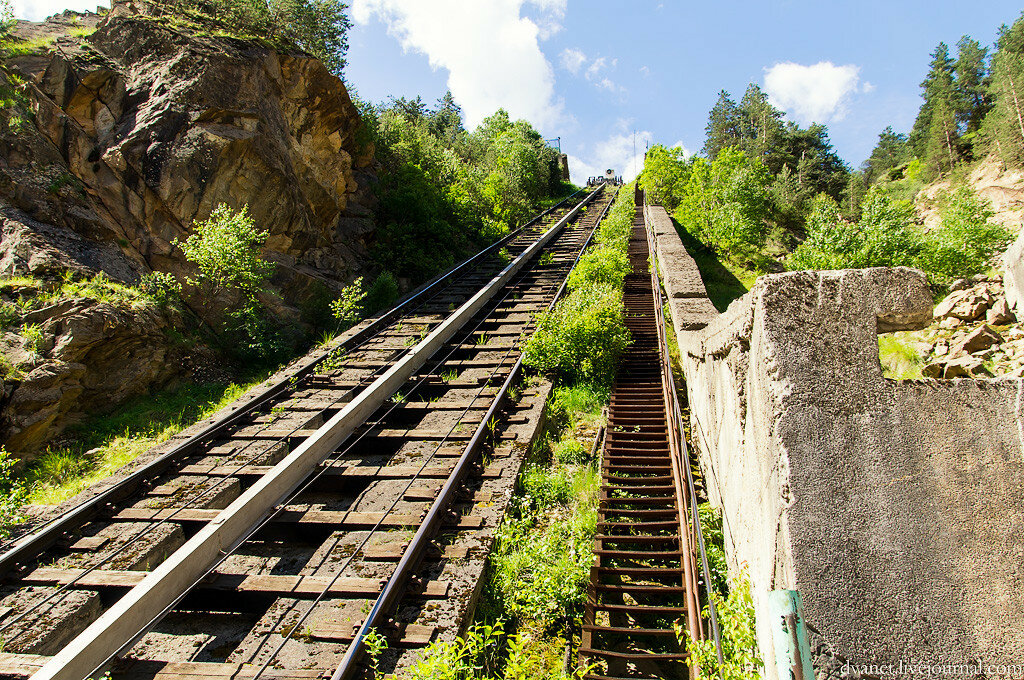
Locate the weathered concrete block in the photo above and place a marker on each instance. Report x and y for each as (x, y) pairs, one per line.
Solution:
(893, 507)
(48, 624)
(688, 299)
(1013, 278)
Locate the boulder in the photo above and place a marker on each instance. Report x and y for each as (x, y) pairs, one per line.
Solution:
(965, 367)
(980, 339)
(1000, 313)
(966, 305)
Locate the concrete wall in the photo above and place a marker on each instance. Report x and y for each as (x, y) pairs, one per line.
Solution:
(895, 508)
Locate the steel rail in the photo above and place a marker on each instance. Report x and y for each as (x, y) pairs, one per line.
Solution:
(312, 480)
(234, 417)
(417, 547)
(119, 624)
(32, 545)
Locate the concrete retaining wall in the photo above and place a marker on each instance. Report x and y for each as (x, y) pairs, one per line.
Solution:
(895, 508)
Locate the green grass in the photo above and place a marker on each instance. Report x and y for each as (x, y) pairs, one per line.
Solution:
(900, 361)
(23, 47)
(117, 439)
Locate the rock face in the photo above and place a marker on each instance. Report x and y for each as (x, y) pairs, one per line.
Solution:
(991, 180)
(132, 133)
(141, 129)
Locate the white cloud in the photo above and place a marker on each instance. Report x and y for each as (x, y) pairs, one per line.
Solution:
(37, 10)
(645, 72)
(490, 50)
(616, 152)
(816, 93)
(572, 60)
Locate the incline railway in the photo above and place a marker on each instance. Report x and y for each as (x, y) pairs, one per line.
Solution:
(644, 576)
(270, 543)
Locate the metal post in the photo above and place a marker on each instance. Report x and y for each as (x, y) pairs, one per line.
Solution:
(789, 636)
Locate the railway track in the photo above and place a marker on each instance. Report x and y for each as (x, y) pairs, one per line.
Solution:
(269, 544)
(644, 576)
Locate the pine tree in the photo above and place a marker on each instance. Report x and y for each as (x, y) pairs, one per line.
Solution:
(942, 145)
(446, 119)
(972, 100)
(939, 81)
(724, 124)
(890, 152)
(1004, 126)
(761, 128)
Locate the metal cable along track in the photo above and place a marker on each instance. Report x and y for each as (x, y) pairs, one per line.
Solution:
(314, 483)
(642, 580)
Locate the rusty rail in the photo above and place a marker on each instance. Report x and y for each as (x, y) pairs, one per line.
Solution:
(643, 577)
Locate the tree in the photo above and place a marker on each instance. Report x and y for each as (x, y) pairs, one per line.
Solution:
(761, 129)
(664, 175)
(938, 82)
(446, 119)
(972, 99)
(1003, 127)
(890, 152)
(725, 203)
(724, 126)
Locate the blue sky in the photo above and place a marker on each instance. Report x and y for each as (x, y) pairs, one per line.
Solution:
(594, 72)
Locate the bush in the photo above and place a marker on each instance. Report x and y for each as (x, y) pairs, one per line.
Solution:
(571, 451)
(965, 241)
(885, 236)
(348, 307)
(12, 495)
(582, 337)
(600, 266)
(739, 638)
(160, 287)
(226, 249)
(382, 294)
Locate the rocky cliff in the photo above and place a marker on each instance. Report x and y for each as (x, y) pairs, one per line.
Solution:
(123, 131)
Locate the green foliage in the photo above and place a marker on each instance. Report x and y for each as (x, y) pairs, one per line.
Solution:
(582, 337)
(714, 545)
(899, 360)
(382, 294)
(664, 176)
(32, 336)
(725, 204)
(348, 307)
(541, 565)
(739, 638)
(13, 495)
(490, 652)
(886, 236)
(319, 27)
(160, 287)
(445, 191)
(226, 249)
(966, 239)
(118, 437)
(9, 315)
(375, 646)
(600, 266)
(570, 451)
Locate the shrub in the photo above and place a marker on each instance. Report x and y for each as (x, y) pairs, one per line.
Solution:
(965, 241)
(32, 336)
(226, 249)
(739, 639)
(382, 294)
(348, 307)
(582, 337)
(160, 287)
(12, 495)
(600, 266)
